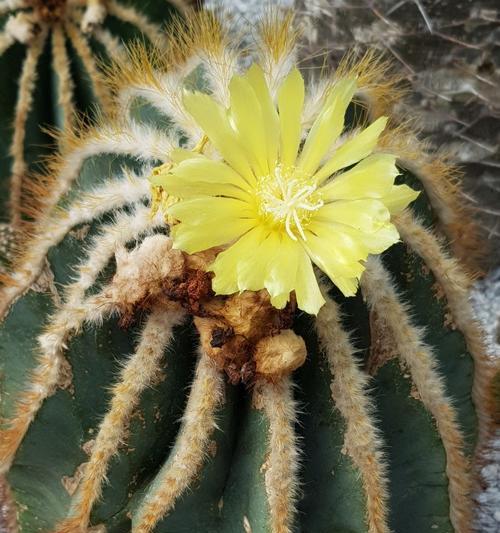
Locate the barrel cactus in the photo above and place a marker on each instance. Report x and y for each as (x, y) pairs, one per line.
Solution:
(55, 47)
(186, 345)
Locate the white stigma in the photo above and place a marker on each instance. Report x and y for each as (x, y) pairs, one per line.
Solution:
(284, 197)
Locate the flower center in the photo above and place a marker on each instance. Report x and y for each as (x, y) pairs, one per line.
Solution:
(289, 199)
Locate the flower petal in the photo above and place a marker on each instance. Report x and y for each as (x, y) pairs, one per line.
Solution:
(365, 215)
(399, 197)
(371, 178)
(212, 118)
(196, 238)
(326, 261)
(203, 176)
(370, 243)
(257, 80)
(309, 297)
(290, 104)
(352, 150)
(205, 209)
(383, 239)
(225, 266)
(282, 270)
(177, 155)
(246, 113)
(338, 247)
(327, 126)
(261, 259)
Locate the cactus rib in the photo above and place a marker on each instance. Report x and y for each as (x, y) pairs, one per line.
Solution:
(362, 440)
(60, 63)
(136, 18)
(46, 374)
(64, 21)
(190, 449)
(282, 464)
(382, 297)
(85, 53)
(23, 107)
(100, 201)
(455, 284)
(137, 374)
(125, 228)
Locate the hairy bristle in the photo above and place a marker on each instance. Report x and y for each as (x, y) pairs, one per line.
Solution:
(190, 449)
(282, 465)
(380, 86)
(456, 284)
(144, 63)
(23, 107)
(441, 179)
(137, 374)
(278, 33)
(382, 297)
(276, 41)
(349, 393)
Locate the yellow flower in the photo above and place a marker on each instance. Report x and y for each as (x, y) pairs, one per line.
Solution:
(275, 196)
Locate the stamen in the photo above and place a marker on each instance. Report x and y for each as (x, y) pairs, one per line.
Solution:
(299, 225)
(286, 197)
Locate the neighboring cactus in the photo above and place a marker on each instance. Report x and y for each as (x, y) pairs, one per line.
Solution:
(55, 47)
(339, 451)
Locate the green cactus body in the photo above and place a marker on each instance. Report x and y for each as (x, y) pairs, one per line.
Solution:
(231, 489)
(55, 48)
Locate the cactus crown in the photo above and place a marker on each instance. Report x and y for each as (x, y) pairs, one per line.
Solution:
(71, 35)
(245, 317)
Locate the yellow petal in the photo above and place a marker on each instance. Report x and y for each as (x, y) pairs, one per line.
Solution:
(290, 104)
(205, 209)
(272, 265)
(339, 248)
(399, 197)
(260, 259)
(213, 120)
(177, 155)
(282, 270)
(202, 176)
(247, 116)
(225, 266)
(375, 242)
(252, 268)
(371, 178)
(192, 239)
(352, 150)
(327, 126)
(328, 263)
(257, 80)
(365, 215)
(309, 297)
(382, 239)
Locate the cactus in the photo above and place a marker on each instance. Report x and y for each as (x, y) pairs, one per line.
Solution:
(55, 47)
(106, 324)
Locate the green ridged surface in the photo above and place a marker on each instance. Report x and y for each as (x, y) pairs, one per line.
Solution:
(231, 486)
(229, 491)
(45, 111)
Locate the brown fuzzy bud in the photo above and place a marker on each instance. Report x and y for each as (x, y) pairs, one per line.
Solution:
(230, 352)
(142, 272)
(279, 355)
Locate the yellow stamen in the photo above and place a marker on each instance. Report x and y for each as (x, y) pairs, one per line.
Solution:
(289, 200)
(201, 145)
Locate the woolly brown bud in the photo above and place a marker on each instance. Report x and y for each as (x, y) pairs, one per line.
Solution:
(279, 355)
